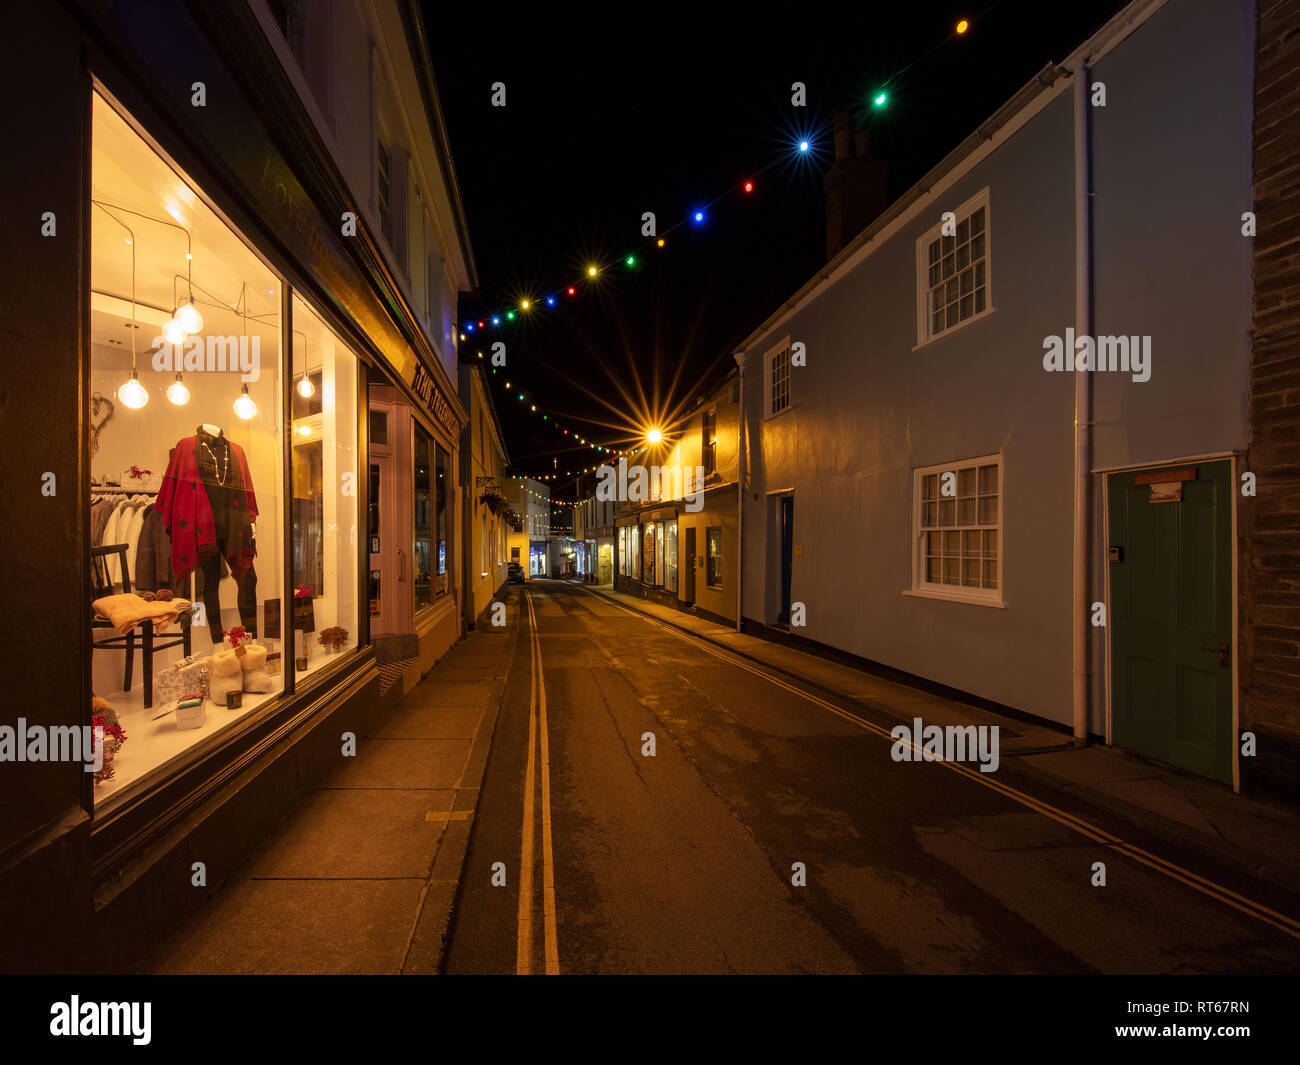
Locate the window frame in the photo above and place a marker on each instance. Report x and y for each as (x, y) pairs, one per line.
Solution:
(709, 582)
(384, 188)
(920, 583)
(709, 444)
(776, 349)
(924, 325)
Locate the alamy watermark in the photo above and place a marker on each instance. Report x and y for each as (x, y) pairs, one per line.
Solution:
(649, 484)
(1103, 354)
(75, 1017)
(946, 743)
(53, 743)
(220, 354)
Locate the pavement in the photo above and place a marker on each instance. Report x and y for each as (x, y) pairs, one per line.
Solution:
(1256, 835)
(362, 877)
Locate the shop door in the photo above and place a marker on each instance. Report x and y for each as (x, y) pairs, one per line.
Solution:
(389, 525)
(1171, 616)
(688, 572)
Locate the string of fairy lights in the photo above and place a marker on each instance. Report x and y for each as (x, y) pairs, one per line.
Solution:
(567, 293)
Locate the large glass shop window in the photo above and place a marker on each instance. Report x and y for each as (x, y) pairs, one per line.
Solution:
(421, 556)
(186, 474)
(432, 484)
(325, 492)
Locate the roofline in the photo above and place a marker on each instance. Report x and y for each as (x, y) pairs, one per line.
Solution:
(414, 23)
(907, 206)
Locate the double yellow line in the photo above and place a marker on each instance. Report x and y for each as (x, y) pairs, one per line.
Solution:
(1199, 883)
(536, 728)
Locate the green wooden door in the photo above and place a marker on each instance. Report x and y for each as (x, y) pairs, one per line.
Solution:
(1171, 620)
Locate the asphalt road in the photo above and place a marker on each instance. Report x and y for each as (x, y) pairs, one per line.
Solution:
(683, 862)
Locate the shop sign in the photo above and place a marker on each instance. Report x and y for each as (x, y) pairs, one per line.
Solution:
(422, 385)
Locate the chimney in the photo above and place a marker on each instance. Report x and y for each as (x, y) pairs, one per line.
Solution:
(856, 187)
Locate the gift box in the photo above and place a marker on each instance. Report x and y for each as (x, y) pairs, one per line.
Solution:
(176, 680)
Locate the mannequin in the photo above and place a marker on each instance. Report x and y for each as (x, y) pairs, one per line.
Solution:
(209, 507)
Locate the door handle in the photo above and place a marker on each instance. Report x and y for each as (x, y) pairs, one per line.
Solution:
(1222, 652)
(401, 565)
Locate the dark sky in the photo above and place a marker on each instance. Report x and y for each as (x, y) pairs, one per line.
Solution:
(616, 110)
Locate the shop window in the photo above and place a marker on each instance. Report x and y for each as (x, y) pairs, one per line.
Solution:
(713, 556)
(423, 515)
(186, 469)
(325, 494)
(432, 483)
(649, 569)
(670, 556)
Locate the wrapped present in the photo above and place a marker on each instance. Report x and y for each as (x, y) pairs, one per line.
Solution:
(179, 679)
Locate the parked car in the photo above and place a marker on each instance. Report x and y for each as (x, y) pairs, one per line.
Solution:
(515, 573)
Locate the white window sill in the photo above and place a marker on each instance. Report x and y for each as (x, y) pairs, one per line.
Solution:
(955, 597)
(955, 329)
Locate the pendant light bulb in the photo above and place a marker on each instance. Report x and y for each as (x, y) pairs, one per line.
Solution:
(305, 388)
(177, 392)
(190, 319)
(244, 405)
(132, 393)
(174, 331)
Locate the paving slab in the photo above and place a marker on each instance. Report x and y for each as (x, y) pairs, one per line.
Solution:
(430, 723)
(354, 833)
(299, 926)
(438, 694)
(403, 764)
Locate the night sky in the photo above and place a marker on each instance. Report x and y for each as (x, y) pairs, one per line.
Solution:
(611, 112)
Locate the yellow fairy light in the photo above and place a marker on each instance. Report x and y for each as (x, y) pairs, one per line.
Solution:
(963, 26)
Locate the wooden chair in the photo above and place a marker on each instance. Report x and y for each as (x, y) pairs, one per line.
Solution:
(102, 586)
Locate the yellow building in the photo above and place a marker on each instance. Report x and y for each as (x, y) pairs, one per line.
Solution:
(488, 518)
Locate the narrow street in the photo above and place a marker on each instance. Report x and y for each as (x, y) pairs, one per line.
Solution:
(681, 862)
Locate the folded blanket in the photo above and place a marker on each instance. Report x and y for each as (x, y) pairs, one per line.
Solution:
(126, 611)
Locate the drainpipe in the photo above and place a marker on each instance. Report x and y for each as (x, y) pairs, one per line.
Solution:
(740, 485)
(1082, 396)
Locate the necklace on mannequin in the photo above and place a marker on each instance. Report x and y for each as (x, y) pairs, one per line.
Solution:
(225, 469)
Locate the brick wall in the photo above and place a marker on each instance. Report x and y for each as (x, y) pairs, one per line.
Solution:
(1269, 606)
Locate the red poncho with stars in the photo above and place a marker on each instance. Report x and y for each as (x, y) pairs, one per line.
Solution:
(187, 513)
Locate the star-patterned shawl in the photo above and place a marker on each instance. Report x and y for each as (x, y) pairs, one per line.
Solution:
(187, 513)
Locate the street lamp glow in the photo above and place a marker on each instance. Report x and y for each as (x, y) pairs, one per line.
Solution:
(803, 146)
(654, 436)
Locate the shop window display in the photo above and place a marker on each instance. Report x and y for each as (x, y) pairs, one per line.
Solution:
(430, 555)
(186, 469)
(325, 491)
(423, 514)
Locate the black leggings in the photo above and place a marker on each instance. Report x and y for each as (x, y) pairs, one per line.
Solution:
(210, 574)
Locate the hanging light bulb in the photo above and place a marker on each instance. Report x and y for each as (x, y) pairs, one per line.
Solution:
(133, 393)
(305, 388)
(177, 392)
(174, 331)
(190, 319)
(244, 405)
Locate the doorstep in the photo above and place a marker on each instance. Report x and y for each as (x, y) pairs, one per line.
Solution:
(362, 876)
(1257, 836)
